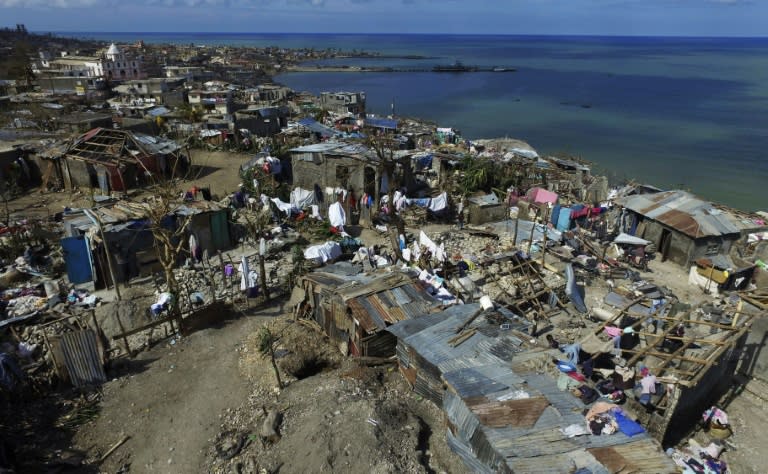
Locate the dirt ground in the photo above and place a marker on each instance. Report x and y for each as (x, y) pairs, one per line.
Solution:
(170, 400)
(196, 404)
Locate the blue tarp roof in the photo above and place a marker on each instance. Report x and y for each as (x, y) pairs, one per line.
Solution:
(156, 112)
(390, 124)
(317, 127)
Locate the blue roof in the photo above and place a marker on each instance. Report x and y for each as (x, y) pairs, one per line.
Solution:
(390, 124)
(317, 127)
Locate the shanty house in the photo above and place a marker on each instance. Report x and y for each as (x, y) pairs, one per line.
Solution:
(503, 416)
(336, 165)
(130, 241)
(115, 160)
(354, 311)
(485, 208)
(683, 227)
(263, 122)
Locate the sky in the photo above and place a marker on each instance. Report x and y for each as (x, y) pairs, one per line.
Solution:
(563, 17)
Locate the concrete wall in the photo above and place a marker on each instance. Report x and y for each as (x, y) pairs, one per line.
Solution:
(680, 248)
(82, 174)
(481, 215)
(257, 125)
(306, 173)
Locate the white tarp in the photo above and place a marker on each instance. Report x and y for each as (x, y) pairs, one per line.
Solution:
(336, 215)
(283, 206)
(439, 203)
(626, 239)
(302, 199)
(696, 279)
(323, 253)
(438, 253)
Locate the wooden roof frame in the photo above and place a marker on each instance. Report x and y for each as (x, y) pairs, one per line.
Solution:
(689, 376)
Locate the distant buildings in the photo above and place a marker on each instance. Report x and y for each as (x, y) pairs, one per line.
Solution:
(343, 102)
(114, 64)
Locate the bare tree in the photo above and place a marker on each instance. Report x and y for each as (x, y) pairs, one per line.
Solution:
(396, 169)
(268, 342)
(168, 227)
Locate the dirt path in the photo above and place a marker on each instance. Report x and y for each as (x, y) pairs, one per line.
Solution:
(169, 400)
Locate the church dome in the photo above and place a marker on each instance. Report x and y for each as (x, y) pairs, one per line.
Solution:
(113, 50)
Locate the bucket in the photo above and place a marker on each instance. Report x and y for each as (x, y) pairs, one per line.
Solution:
(486, 303)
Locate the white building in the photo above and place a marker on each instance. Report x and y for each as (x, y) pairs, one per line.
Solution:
(113, 65)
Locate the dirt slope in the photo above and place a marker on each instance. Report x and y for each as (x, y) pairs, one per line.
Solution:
(169, 401)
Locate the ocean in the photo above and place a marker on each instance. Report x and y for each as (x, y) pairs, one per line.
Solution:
(682, 113)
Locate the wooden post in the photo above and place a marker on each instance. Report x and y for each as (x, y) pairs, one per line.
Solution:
(533, 228)
(97, 221)
(262, 269)
(517, 222)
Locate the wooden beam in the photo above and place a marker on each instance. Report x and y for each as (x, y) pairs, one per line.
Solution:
(659, 339)
(696, 340)
(665, 356)
(617, 315)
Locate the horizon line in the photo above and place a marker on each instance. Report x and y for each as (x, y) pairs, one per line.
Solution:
(583, 35)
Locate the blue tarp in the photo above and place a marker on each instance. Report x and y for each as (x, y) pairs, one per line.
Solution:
(317, 127)
(555, 215)
(77, 259)
(564, 220)
(389, 124)
(158, 111)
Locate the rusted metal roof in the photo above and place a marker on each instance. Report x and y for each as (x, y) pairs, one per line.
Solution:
(377, 311)
(503, 420)
(380, 300)
(685, 213)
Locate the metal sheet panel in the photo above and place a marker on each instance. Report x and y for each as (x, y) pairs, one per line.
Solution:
(82, 357)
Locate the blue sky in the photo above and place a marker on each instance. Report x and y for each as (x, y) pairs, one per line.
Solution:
(580, 17)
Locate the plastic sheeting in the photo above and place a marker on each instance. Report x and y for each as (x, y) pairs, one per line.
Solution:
(283, 206)
(541, 195)
(336, 215)
(564, 219)
(302, 199)
(323, 253)
(439, 203)
(626, 239)
(573, 291)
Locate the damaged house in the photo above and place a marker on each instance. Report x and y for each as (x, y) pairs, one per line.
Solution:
(112, 161)
(354, 311)
(503, 412)
(683, 227)
(130, 241)
(263, 122)
(335, 164)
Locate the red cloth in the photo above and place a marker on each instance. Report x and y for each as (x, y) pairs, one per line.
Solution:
(576, 376)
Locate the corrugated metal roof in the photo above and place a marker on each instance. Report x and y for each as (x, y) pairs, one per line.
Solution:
(380, 300)
(495, 424)
(684, 212)
(82, 357)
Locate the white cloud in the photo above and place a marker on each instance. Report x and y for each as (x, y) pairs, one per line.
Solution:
(49, 3)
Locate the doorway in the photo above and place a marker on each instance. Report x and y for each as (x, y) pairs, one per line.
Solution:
(665, 243)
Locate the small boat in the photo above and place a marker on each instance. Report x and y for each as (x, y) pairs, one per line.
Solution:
(503, 69)
(455, 67)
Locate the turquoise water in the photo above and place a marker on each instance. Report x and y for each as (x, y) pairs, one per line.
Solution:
(687, 113)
